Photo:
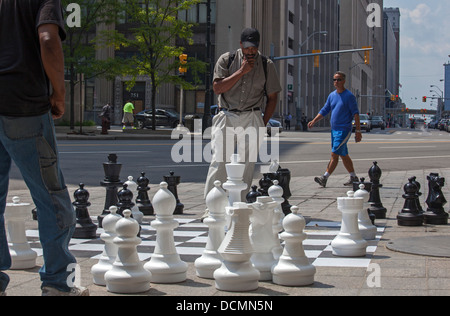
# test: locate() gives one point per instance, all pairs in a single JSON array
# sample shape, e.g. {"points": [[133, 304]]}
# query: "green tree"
{"points": [[79, 51], [154, 29]]}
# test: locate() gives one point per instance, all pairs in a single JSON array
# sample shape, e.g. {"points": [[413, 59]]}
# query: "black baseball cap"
{"points": [[250, 37]]}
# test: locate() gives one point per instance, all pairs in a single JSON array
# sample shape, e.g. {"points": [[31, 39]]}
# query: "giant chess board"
{"points": [[191, 236]]}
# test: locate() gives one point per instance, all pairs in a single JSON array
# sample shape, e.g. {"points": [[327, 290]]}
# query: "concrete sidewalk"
{"points": [[399, 273]]}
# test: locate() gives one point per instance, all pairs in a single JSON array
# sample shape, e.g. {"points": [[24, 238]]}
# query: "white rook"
{"points": [[349, 242]]}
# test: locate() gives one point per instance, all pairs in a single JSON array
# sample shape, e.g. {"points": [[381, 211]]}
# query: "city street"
{"points": [[305, 154]]}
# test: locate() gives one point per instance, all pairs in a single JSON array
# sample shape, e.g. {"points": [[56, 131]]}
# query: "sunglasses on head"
{"points": [[338, 80]]}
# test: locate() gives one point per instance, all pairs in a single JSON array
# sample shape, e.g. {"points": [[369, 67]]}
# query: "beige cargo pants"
{"points": [[243, 131]]}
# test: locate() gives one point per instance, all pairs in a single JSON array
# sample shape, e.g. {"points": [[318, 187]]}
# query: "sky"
{"points": [[424, 48]]}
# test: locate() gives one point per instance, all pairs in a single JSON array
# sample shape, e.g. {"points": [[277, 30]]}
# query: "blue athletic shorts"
{"points": [[339, 140]]}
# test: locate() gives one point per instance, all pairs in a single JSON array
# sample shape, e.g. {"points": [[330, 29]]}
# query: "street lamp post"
{"points": [[299, 88], [440, 102]]}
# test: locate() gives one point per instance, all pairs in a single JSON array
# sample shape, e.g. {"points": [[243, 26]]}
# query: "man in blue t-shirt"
{"points": [[344, 108]]}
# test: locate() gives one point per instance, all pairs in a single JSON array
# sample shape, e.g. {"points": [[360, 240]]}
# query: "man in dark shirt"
{"points": [[31, 58]]}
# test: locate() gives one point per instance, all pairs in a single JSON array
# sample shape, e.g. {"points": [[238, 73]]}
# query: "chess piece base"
{"points": [[167, 269], [367, 232], [378, 212], [85, 231], [409, 219], [287, 273], [126, 284], [349, 245], [237, 277], [207, 264], [22, 257], [435, 219], [264, 262]]}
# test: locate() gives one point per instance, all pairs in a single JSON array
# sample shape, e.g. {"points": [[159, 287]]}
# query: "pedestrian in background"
{"points": [[343, 108], [287, 121], [106, 118], [128, 115], [31, 57]]}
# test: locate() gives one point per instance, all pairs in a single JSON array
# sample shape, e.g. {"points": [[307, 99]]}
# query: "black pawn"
{"points": [[252, 196], [85, 228], [435, 213], [111, 183], [265, 183], [125, 198], [143, 201], [419, 194], [376, 207], [173, 181], [410, 215]]}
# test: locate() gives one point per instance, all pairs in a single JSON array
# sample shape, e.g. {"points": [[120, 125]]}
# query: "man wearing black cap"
{"points": [[246, 83]]}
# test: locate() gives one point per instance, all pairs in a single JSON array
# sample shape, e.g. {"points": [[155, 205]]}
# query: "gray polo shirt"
{"points": [[248, 93]]}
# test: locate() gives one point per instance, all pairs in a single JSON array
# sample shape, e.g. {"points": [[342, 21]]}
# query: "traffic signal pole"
{"points": [[318, 54], [322, 53]]}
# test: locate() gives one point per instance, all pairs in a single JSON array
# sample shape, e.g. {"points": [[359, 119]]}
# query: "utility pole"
{"points": [[208, 92]]}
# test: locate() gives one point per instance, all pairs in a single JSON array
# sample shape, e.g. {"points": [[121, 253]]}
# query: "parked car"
{"points": [[164, 117], [433, 124], [366, 124], [442, 124], [378, 122], [447, 126]]}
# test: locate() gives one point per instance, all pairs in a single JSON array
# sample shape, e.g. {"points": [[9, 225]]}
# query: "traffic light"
{"points": [[424, 99], [397, 98], [183, 62], [392, 97], [316, 58], [367, 55]]}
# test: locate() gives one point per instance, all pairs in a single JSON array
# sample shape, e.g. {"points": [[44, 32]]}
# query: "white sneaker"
{"points": [[75, 291]]}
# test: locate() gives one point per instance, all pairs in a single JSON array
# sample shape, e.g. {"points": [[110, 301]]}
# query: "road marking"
{"points": [[407, 147]]}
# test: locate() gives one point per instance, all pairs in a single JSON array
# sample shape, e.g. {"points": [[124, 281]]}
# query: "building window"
{"points": [[291, 17], [291, 43]]}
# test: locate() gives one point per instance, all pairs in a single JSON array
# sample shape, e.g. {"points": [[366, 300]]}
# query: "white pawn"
{"points": [[262, 237], [293, 268], [109, 254], [349, 242], [237, 274], [22, 256], [276, 193], [367, 229], [127, 275], [216, 201], [165, 264], [132, 186]]}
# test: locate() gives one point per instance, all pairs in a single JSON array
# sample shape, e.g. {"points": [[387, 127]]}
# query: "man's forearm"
{"points": [[225, 85], [52, 57], [270, 107], [357, 122]]}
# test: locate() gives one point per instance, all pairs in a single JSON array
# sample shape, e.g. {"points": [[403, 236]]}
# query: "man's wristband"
{"points": [[358, 131]]}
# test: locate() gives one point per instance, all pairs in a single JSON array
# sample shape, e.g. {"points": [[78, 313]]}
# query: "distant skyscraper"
{"points": [[447, 87]]}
